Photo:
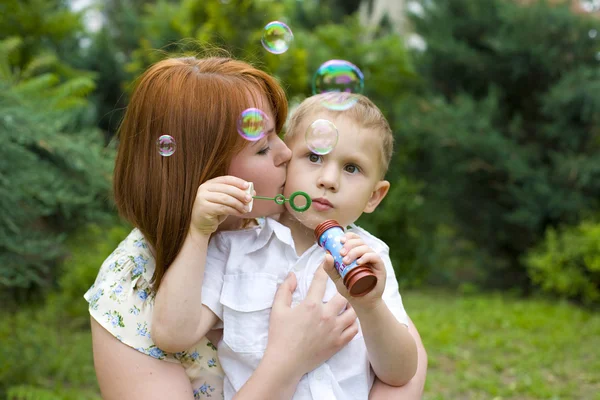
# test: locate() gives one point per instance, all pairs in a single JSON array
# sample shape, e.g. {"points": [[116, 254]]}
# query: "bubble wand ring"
{"points": [[280, 199]]}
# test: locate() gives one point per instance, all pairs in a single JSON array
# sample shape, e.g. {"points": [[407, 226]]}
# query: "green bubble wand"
{"points": [[280, 199]]}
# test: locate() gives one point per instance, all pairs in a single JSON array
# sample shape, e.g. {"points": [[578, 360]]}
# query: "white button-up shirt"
{"points": [[244, 269]]}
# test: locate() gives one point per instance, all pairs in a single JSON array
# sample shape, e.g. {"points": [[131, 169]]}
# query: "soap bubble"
{"points": [[166, 145], [339, 76], [277, 37], [252, 124], [321, 136]]}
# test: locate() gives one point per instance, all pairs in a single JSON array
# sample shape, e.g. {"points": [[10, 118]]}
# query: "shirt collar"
{"points": [[269, 228]]}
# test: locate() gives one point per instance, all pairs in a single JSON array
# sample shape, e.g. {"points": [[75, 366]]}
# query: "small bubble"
{"points": [[166, 145], [321, 136], [277, 37], [252, 124]]}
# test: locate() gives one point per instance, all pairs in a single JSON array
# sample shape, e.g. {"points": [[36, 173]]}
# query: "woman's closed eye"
{"points": [[264, 150]]}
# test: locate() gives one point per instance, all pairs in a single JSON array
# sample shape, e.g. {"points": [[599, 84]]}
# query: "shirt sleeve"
{"points": [[391, 293], [214, 271], [122, 300]]}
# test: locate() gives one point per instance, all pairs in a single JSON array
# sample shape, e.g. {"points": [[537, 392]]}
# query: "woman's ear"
{"points": [[379, 192]]}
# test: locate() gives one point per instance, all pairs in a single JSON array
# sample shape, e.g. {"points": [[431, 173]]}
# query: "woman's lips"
{"points": [[322, 204]]}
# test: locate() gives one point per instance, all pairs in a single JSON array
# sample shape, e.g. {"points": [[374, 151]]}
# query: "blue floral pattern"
{"points": [[122, 300]]}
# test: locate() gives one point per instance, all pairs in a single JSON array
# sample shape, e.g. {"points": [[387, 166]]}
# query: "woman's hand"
{"points": [[216, 199], [311, 332], [300, 339]]}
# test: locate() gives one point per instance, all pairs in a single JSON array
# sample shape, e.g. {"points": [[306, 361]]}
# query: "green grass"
{"points": [[479, 346], [493, 346]]}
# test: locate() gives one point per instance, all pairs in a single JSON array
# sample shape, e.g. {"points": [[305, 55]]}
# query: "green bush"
{"points": [[567, 262], [45, 349], [54, 174], [504, 133]]}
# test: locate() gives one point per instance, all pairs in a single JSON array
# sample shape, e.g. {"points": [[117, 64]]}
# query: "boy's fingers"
{"points": [[283, 296], [355, 253], [353, 242], [373, 259]]}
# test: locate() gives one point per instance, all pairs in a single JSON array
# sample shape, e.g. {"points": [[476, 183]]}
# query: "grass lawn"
{"points": [[480, 347], [492, 346]]}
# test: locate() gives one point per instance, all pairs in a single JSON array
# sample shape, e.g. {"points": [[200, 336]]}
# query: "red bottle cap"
{"points": [[360, 280], [323, 226]]}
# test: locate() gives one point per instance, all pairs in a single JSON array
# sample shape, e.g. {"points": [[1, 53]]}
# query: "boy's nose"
{"points": [[328, 181]]}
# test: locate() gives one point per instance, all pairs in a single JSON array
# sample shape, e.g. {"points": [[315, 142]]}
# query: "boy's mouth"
{"points": [[322, 204]]}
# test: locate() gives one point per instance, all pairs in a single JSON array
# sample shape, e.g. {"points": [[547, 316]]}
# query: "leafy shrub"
{"points": [[54, 175], [46, 349], [567, 262]]}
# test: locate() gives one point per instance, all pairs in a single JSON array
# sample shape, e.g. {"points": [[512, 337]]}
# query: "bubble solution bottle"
{"points": [[358, 279]]}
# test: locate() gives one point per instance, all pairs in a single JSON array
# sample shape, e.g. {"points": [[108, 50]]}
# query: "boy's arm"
{"points": [[413, 390], [391, 348], [177, 321]]}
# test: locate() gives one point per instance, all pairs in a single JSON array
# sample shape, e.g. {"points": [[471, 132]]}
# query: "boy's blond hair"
{"points": [[364, 112]]}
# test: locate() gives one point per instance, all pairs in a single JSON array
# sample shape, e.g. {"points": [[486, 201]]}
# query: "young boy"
{"points": [[245, 267]]}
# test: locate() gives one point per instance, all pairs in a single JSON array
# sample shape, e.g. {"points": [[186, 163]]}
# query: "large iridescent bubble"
{"points": [[252, 124], [339, 76], [277, 37], [321, 136]]}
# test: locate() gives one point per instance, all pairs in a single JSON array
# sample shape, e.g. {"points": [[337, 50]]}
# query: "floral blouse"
{"points": [[121, 300]]}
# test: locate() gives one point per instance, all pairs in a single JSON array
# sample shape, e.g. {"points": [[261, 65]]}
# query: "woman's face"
{"points": [[263, 163]]}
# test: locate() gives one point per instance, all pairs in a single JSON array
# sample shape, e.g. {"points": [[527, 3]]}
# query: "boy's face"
{"points": [[342, 184]]}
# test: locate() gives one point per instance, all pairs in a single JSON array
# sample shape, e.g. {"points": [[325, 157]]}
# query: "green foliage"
{"points": [[88, 248], [45, 351], [53, 175], [567, 262], [505, 131], [36, 393], [49, 32]]}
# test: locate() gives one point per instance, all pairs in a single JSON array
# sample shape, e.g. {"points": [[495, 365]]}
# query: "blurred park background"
{"points": [[494, 213]]}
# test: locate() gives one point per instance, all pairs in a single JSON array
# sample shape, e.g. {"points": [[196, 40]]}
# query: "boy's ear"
{"points": [[379, 192]]}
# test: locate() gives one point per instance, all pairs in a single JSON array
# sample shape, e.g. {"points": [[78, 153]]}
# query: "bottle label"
{"points": [[330, 241]]}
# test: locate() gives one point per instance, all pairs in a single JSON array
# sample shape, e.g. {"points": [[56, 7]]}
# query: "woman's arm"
{"points": [[413, 390], [125, 373], [177, 320]]}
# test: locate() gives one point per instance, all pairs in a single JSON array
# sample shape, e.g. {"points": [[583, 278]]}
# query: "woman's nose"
{"points": [[284, 154]]}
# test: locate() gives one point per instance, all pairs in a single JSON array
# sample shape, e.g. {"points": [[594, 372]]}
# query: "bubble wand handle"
{"points": [[280, 199]]}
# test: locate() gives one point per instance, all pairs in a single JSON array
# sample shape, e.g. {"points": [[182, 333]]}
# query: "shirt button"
{"points": [[318, 375]]}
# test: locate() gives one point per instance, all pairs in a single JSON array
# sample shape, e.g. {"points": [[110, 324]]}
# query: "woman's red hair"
{"points": [[197, 102]]}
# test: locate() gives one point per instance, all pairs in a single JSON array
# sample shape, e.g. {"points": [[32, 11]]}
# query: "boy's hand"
{"points": [[355, 249], [215, 200]]}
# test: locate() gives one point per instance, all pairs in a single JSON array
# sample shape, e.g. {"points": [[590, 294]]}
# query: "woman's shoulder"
{"points": [[128, 268]]}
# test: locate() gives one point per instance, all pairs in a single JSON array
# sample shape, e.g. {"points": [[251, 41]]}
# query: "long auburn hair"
{"points": [[197, 102]]}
